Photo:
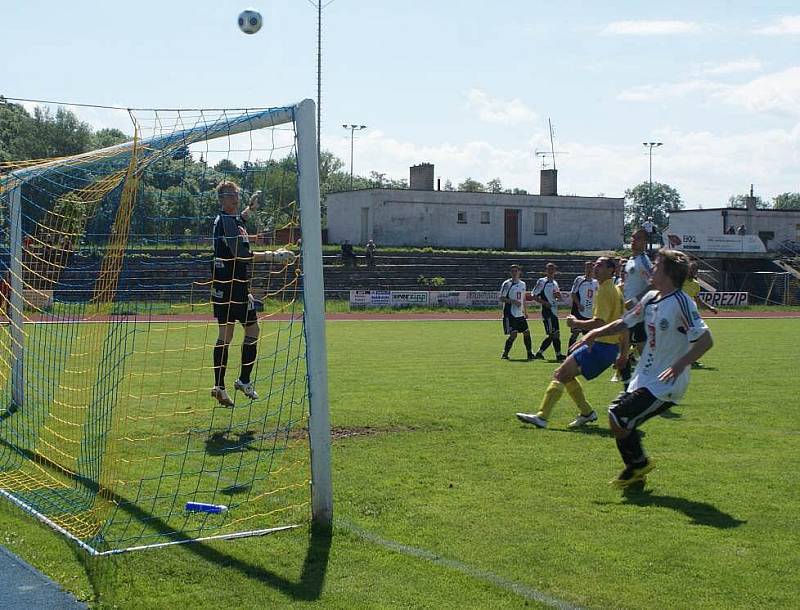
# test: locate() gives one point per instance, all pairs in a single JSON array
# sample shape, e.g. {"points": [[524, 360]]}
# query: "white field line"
{"points": [[477, 573]]}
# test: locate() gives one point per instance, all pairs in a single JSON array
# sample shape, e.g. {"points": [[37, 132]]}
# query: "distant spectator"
{"points": [[348, 256], [731, 230], [370, 250], [741, 230], [649, 228]]}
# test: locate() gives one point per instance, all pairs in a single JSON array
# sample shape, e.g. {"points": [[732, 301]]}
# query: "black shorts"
{"points": [[550, 321], [631, 409], [638, 334], [245, 312], [515, 325]]}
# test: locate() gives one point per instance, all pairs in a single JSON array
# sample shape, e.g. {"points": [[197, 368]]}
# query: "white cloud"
{"points": [[731, 67], [777, 92], [651, 28], [786, 25], [661, 91], [495, 110], [706, 167]]}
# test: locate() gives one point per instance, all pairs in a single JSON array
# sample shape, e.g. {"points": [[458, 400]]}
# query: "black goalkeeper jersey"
{"points": [[232, 258]]}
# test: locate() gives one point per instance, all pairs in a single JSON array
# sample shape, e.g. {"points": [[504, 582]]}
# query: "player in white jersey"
{"points": [[638, 274], [515, 311], [676, 337], [546, 293], [583, 290]]}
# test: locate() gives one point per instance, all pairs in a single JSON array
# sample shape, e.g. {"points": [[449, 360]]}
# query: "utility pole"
{"points": [[353, 129], [650, 146]]}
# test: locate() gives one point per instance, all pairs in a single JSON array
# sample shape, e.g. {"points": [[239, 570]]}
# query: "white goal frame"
{"points": [[303, 115]]}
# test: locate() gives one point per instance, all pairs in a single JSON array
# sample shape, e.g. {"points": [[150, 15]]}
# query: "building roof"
{"points": [[796, 211]]}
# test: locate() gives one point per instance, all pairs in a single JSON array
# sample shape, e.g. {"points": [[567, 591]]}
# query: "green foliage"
{"points": [[434, 282], [740, 201], [471, 186], [787, 201], [642, 202]]}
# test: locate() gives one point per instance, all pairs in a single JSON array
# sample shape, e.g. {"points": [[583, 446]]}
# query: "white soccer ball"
{"points": [[250, 21]]}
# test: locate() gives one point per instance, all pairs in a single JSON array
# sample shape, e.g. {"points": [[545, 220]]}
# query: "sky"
{"points": [[468, 86]]}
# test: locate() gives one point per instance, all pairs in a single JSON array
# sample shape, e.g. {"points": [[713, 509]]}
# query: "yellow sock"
{"points": [[575, 392], [551, 396]]}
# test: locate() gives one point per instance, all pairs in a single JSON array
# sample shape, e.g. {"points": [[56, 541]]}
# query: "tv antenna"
{"points": [[552, 152]]}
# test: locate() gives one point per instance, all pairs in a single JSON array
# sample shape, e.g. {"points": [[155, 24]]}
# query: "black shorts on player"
{"points": [[227, 313], [512, 324], [638, 334], [630, 409]]}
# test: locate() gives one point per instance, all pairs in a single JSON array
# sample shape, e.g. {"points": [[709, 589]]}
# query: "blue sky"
{"points": [[464, 84]]}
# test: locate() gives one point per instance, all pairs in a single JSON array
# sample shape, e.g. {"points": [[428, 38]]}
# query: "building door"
{"points": [[512, 230], [364, 225]]}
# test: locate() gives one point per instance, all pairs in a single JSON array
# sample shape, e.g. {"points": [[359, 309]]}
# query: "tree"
{"points": [[104, 138], [471, 186], [448, 185], [787, 201], [494, 185], [740, 201], [641, 203]]}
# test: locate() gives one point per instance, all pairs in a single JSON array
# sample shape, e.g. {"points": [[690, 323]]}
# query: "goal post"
{"points": [[319, 427], [107, 430]]}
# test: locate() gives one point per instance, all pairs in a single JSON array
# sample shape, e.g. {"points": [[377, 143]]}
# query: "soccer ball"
{"points": [[250, 21]]}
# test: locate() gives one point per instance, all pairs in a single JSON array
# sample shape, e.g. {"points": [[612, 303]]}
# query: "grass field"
{"points": [[443, 499]]}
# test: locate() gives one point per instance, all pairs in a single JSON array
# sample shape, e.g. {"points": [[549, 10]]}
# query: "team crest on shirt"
{"points": [[663, 324]]}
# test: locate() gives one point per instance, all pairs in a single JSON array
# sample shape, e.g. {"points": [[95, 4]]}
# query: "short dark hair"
{"points": [[676, 265], [517, 267]]}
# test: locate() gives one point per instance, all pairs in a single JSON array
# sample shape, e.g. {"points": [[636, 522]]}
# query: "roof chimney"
{"points": [[750, 201], [421, 177], [548, 182]]}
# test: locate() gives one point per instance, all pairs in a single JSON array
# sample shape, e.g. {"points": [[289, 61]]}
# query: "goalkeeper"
{"points": [[230, 289]]}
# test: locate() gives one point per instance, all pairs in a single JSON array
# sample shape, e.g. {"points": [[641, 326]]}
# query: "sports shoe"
{"points": [[615, 378], [504, 356], [697, 364], [538, 356], [632, 475], [531, 356], [248, 389], [560, 357], [583, 419], [221, 395], [539, 422]]}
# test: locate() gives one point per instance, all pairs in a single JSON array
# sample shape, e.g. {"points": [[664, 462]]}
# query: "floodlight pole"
{"points": [[650, 146], [319, 428], [353, 129]]}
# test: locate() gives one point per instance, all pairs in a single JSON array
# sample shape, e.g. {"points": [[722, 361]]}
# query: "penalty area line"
{"points": [[472, 571]]}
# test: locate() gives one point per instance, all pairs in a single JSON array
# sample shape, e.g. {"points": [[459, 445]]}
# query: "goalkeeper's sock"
{"points": [[551, 396], [545, 344], [249, 351], [575, 391], [509, 343], [220, 362], [528, 344], [557, 345]]}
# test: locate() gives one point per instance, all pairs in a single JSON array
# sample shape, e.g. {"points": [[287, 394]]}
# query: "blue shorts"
{"points": [[594, 362]]}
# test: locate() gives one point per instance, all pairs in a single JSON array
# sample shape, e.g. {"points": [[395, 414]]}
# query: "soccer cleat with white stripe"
{"points": [[222, 396], [582, 420], [528, 418], [248, 389]]}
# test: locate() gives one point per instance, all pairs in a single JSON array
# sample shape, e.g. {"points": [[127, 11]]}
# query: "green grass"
{"points": [[447, 469]]}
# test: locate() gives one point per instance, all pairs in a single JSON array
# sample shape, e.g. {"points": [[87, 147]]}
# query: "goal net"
{"points": [[109, 343]]}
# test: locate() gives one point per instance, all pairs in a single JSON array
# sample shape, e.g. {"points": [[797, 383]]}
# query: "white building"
{"points": [[773, 226], [425, 217]]}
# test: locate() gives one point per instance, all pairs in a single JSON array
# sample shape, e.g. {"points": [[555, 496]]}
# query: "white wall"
{"points": [[429, 218], [783, 223]]}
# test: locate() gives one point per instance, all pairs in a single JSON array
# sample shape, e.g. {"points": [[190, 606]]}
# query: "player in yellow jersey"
{"points": [[584, 361]]}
